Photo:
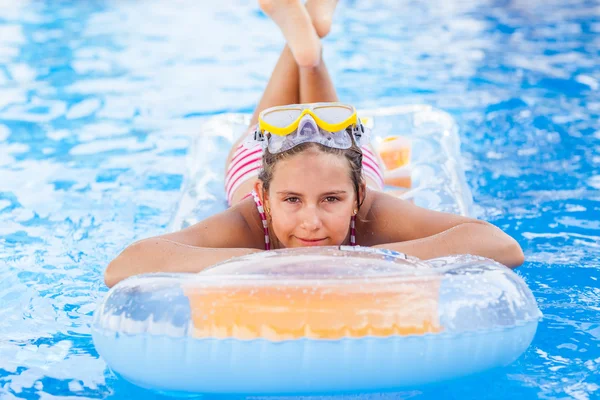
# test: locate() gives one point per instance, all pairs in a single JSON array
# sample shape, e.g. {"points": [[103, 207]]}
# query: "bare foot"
{"points": [[321, 13], [296, 25]]}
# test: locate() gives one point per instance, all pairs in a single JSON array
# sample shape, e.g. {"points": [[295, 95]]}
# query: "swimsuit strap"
{"points": [[263, 217], [353, 230]]}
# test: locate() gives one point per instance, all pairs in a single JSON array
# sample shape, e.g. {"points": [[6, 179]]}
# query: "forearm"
{"points": [[480, 239], [163, 255]]}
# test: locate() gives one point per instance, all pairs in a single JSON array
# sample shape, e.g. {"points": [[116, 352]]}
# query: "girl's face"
{"points": [[311, 200]]}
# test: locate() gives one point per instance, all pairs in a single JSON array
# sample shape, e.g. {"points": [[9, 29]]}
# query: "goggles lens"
{"points": [[283, 117], [333, 114]]}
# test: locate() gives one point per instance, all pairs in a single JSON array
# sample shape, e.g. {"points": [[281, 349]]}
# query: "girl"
{"points": [[308, 180]]}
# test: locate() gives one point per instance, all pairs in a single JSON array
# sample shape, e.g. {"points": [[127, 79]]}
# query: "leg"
{"points": [[281, 89], [283, 85], [295, 23], [316, 85], [294, 20], [321, 14]]}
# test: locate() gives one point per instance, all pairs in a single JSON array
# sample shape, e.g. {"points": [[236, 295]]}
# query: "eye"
{"points": [[292, 200], [331, 199]]}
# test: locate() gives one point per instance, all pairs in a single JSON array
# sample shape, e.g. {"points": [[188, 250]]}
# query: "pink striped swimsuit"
{"points": [[246, 164]]}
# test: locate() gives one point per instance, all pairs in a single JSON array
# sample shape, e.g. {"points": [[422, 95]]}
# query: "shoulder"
{"points": [[375, 216], [389, 219], [237, 227]]}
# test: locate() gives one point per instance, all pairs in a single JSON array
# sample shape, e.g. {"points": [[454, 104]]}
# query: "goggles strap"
{"points": [[357, 132]]}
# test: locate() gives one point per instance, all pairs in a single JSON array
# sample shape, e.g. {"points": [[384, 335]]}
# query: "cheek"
{"points": [[338, 222], [344, 226], [282, 223]]}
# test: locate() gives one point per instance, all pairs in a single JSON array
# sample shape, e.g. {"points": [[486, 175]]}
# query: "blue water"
{"points": [[99, 100]]}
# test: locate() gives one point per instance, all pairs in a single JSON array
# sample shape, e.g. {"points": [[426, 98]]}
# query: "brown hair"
{"points": [[353, 155]]}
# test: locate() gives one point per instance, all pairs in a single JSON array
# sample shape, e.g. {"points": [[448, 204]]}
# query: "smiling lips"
{"points": [[311, 242]]}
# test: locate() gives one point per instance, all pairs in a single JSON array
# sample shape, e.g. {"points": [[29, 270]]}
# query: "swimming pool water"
{"points": [[99, 100]]}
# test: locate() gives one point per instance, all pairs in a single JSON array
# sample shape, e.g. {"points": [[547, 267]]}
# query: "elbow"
{"points": [[124, 265], [519, 257], [513, 254], [506, 250], [115, 271], [111, 274]]}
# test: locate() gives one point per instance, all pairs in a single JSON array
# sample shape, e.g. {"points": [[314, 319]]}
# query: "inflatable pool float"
{"points": [[324, 320], [308, 321]]}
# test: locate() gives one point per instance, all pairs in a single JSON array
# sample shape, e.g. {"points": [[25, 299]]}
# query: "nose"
{"points": [[311, 221]]}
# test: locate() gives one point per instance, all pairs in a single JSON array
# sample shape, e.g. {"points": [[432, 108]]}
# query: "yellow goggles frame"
{"points": [[307, 109]]}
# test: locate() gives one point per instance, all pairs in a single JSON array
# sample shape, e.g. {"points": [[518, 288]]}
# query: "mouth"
{"points": [[311, 242]]}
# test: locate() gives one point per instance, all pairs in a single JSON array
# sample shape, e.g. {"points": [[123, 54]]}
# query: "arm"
{"points": [[163, 255], [477, 238], [193, 249], [429, 234]]}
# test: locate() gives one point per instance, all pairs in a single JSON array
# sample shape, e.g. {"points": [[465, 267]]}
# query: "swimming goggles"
{"points": [[330, 124]]}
